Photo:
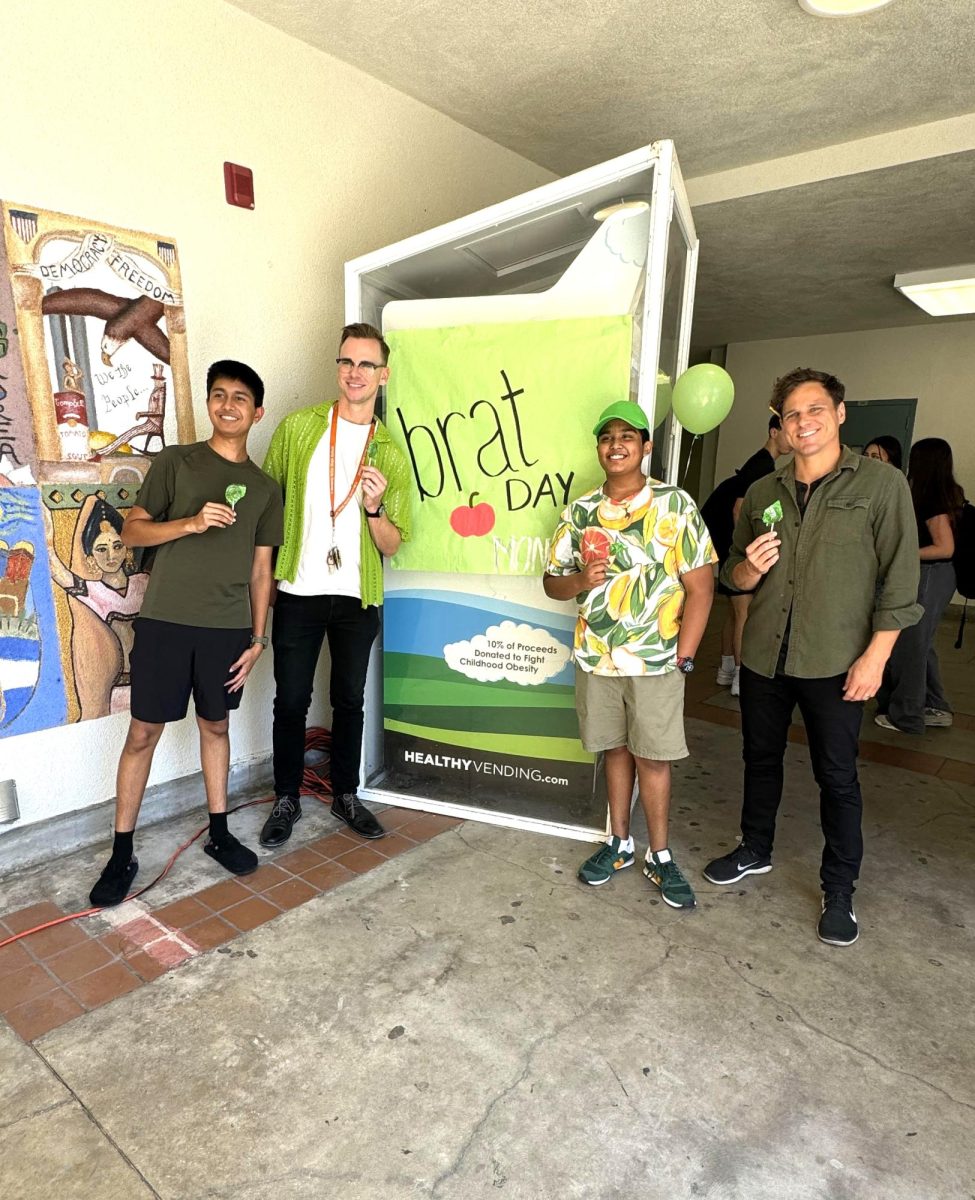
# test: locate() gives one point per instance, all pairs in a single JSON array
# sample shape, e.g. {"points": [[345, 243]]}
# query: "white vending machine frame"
{"points": [[389, 274]]}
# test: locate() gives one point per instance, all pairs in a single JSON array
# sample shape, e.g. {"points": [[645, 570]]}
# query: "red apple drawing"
{"points": [[473, 521]]}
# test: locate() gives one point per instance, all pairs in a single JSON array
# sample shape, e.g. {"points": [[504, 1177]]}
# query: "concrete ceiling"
{"points": [[569, 83], [820, 258]]}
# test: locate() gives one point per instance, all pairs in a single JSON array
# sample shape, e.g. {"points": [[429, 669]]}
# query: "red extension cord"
{"points": [[312, 784]]}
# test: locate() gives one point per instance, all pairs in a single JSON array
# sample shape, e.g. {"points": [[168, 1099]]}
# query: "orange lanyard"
{"points": [[331, 466]]}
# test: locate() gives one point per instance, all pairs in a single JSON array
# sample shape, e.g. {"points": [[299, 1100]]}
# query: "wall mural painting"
{"points": [[94, 381], [32, 690]]}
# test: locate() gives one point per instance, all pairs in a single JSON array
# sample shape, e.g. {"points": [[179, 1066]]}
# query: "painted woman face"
{"points": [[108, 552], [878, 452]]}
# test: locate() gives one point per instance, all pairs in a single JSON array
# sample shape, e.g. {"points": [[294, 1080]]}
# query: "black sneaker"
{"points": [[729, 868], [838, 924], [278, 826], [113, 884], [350, 809], [232, 855]]}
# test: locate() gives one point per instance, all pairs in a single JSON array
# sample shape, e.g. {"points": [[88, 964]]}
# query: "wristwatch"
{"points": [[685, 665], [259, 641], [378, 513]]}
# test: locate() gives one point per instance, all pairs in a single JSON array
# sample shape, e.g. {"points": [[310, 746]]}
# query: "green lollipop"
{"points": [[235, 492], [373, 453], [772, 514]]}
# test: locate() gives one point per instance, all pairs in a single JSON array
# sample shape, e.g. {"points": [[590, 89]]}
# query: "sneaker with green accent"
{"points": [[661, 869], [603, 865]]}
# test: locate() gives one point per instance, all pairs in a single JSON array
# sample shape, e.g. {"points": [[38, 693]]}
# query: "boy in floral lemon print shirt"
{"points": [[637, 557]]}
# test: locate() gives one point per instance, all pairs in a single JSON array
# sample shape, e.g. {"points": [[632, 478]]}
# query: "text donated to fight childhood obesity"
{"points": [[517, 653]]}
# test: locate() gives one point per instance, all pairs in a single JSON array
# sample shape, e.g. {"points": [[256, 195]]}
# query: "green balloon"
{"points": [[703, 397], [665, 397]]}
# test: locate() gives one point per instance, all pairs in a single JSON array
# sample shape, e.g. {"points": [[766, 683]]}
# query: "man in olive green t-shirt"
{"points": [[213, 519]]}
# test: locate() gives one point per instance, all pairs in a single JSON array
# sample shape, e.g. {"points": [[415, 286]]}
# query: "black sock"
{"points": [[122, 848], [218, 826]]}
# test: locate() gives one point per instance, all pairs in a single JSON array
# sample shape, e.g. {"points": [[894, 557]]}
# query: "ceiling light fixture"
{"points": [[949, 292], [840, 8]]}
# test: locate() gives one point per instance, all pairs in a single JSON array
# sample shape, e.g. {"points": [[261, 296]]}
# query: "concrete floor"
{"points": [[469, 1020]]}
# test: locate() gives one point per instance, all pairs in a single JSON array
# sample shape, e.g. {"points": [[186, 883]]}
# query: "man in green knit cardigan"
{"points": [[346, 506]]}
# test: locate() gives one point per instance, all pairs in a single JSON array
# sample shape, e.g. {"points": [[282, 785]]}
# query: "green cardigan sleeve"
{"points": [[398, 492]]}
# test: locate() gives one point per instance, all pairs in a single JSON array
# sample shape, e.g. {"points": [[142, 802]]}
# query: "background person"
{"points": [[886, 449], [912, 695], [720, 512]]}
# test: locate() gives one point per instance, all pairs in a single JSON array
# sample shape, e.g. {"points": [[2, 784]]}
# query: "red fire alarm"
{"points": [[239, 184]]}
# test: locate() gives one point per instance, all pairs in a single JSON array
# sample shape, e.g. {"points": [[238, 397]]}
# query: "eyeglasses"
{"points": [[367, 368]]}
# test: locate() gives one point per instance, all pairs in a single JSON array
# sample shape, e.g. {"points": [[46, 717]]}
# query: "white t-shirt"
{"points": [[313, 578]]}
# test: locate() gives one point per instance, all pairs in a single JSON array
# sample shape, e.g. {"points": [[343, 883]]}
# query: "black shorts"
{"points": [[170, 662], [722, 589]]}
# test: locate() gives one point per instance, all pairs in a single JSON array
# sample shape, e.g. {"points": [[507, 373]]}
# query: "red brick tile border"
{"points": [[212, 932], [391, 845], [57, 974], [54, 941], [12, 958], [269, 875], [957, 772], [222, 895], [147, 967], [335, 844], [80, 960], [328, 875], [361, 859], [25, 985], [292, 893], [182, 912], [296, 861], [251, 913], [104, 984], [37, 1017], [27, 918]]}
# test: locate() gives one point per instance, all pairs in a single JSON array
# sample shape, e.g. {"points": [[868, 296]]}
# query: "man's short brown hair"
{"points": [[361, 330], [784, 387]]}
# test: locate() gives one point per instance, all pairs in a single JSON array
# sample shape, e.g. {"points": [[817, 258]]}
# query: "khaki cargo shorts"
{"points": [[645, 713]]}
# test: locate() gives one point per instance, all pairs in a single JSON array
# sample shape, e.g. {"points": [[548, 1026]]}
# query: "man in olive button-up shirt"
{"points": [[835, 579], [822, 605]]}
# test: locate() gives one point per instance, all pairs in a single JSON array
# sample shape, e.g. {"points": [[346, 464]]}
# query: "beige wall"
{"points": [[126, 112], [934, 363]]}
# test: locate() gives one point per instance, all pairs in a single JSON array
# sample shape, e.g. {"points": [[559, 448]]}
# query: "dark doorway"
{"points": [[867, 419]]}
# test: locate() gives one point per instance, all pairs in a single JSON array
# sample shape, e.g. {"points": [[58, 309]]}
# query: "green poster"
{"points": [[495, 421]]}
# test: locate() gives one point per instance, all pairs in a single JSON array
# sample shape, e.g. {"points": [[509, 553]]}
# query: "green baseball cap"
{"points": [[622, 410]]}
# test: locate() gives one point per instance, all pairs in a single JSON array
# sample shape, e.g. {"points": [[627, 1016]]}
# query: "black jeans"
{"points": [[301, 623], [833, 731]]}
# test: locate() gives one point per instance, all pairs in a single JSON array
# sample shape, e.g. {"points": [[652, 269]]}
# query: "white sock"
{"points": [[625, 843], [727, 662], [663, 856]]}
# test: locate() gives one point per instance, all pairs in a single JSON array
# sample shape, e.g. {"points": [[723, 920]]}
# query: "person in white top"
{"points": [[346, 499]]}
